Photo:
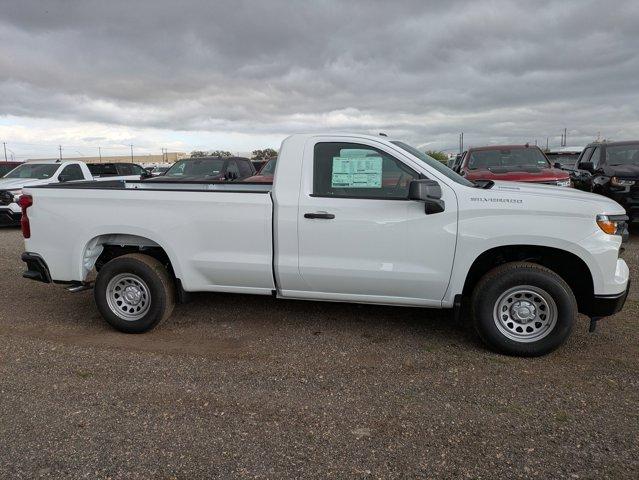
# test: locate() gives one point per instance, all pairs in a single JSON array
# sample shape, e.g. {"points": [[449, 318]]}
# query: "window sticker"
{"points": [[357, 172]]}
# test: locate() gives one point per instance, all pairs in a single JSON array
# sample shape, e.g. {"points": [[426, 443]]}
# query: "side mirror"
{"points": [[231, 175], [556, 165], [587, 166], [427, 191], [146, 174], [63, 178]]}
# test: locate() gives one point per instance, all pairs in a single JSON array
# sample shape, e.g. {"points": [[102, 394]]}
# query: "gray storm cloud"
{"points": [[499, 71]]}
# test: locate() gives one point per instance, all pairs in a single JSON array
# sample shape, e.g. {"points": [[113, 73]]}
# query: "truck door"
{"points": [[360, 238]]}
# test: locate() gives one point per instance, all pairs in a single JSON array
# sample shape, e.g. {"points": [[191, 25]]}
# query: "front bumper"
{"points": [[37, 268], [629, 201], [605, 305]]}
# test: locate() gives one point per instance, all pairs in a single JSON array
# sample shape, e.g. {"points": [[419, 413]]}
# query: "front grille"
{"points": [[6, 197]]}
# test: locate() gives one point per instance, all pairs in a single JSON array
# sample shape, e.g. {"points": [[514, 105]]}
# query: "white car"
{"points": [[348, 218], [38, 173]]}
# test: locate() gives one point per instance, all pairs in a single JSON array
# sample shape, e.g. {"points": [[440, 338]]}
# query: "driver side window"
{"points": [[596, 158], [351, 170]]}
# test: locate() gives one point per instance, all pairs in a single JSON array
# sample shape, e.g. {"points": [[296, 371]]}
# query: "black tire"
{"points": [[492, 292], [156, 290]]}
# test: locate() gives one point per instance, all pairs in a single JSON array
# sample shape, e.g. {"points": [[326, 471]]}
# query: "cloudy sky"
{"points": [[239, 75]]}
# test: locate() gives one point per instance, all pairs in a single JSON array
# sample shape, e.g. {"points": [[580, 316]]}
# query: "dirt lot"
{"points": [[242, 387]]}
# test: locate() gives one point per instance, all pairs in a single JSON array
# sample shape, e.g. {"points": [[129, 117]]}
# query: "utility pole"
{"points": [[100, 153], [60, 149], [565, 136], [131, 152], [547, 149], [5, 150]]}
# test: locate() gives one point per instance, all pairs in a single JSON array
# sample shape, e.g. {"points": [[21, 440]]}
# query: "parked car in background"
{"points": [[611, 169], [515, 163], [564, 157], [208, 168], [258, 164], [158, 170], [265, 175], [128, 171], [454, 162], [35, 173], [46, 173], [340, 223], [6, 167]]}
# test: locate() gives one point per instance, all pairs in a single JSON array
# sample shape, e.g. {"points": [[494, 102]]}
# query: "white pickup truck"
{"points": [[43, 172], [348, 218]]}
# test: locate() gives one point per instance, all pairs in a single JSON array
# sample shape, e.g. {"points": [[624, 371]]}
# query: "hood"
{"points": [[624, 171], [515, 174], [17, 183], [577, 198]]}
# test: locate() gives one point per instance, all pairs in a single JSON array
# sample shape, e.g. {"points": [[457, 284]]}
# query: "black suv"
{"points": [[611, 169]]}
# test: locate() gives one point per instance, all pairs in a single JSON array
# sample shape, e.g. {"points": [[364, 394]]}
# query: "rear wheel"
{"points": [[134, 293], [523, 309]]}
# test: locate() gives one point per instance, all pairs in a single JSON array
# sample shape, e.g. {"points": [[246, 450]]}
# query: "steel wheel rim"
{"points": [[525, 313], [128, 297]]}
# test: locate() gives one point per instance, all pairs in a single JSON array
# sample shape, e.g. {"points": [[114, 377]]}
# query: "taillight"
{"points": [[25, 201]]}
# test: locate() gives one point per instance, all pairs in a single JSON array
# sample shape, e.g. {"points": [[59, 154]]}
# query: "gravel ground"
{"points": [[239, 387]]}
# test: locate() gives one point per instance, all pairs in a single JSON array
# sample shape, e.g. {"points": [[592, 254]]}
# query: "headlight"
{"points": [[564, 183], [16, 194], [612, 224], [620, 182]]}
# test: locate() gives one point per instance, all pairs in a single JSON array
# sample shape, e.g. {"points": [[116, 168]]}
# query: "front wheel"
{"points": [[134, 293], [523, 309]]}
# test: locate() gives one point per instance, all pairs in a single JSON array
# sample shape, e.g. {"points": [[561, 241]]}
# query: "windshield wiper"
{"points": [[484, 184]]}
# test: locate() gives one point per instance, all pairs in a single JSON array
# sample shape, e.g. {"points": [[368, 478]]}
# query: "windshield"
{"points": [[431, 162], [623, 155], [563, 158], [507, 157], [38, 171], [203, 167], [269, 168]]}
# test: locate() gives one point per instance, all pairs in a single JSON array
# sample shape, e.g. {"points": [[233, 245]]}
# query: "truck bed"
{"points": [[217, 235]]}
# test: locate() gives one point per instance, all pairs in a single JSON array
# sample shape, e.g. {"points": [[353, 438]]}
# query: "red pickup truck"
{"points": [[517, 163]]}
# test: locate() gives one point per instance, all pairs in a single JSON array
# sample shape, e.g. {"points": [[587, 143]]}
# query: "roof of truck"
{"points": [[501, 147], [614, 144]]}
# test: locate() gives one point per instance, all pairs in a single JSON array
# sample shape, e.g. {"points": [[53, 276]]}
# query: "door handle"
{"points": [[322, 215]]}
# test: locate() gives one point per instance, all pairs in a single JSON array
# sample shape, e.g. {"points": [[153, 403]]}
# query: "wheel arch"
{"points": [[104, 247], [570, 267]]}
